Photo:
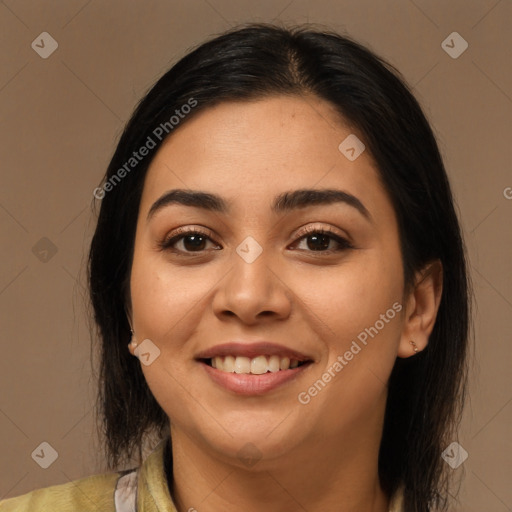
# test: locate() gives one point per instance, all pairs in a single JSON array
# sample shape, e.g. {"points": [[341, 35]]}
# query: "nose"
{"points": [[252, 292]]}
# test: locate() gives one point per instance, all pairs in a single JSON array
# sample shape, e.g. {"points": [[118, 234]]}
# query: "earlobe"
{"points": [[133, 343], [421, 309]]}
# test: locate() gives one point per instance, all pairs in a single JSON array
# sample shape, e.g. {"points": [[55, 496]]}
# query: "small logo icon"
{"points": [[454, 45], [249, 250], [45, 455], [454, 455], [249, 454], [44, 45], [44, 250], [147, 352], [351, 147]]}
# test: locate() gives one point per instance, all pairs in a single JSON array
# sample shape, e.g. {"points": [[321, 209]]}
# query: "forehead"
{"points": [[249, 150]]}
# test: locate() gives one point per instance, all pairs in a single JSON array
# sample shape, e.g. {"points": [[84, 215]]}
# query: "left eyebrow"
{"points": [[285, 202], [310, 197]]}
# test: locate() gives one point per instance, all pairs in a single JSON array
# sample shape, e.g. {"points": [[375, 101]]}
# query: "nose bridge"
{"points": [[252, 286]]}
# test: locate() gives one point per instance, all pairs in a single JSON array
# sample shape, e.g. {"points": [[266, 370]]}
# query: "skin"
{"points": [[319, 456]]}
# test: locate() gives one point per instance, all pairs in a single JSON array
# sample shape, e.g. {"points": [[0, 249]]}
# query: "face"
{"points": [[301, 290]]}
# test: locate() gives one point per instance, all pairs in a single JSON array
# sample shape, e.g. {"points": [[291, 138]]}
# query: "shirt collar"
{"points": [[152, 489]]}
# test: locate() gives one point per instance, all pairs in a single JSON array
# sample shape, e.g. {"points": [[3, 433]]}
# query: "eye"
{"points": [[313, 239], [321, 240], [187, 240]]}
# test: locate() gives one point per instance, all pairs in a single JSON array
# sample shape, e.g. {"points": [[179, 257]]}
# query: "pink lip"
{"points": [[251, 350], [248, 384]]}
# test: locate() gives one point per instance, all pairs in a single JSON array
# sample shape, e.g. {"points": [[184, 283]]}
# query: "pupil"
{"points": [[193, 242], [321, 241]]}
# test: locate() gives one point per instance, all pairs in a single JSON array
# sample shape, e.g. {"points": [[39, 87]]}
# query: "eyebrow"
{"points": [[285, 202]]}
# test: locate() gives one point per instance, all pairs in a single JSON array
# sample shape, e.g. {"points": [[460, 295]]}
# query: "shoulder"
{"points": [[103, 492], [91, 493]]}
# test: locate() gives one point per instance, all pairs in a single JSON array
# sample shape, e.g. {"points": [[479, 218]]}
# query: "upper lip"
{"points": [[252, 350]]}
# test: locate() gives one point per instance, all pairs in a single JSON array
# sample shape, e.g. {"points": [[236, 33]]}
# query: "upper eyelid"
{"points": [[206, 231], [304, 230]]}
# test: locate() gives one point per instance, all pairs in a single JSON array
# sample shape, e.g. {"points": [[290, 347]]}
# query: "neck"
{"points": [[325, 476]]}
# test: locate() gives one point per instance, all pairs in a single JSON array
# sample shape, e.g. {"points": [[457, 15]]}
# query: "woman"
{"points": [[278, 242]]}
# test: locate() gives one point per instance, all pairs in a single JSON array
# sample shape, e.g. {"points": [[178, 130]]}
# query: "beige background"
{"points": [[61, 118]]}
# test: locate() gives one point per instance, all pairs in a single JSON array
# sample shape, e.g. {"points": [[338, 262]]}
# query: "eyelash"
{"points": [[167, 243]]}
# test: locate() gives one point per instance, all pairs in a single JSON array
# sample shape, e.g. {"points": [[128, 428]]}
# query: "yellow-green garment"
{"points": [[97, 493]]}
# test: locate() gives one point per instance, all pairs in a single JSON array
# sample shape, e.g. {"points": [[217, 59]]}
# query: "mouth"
{"points": [[252, 369], [254, 358], [255, 366]]}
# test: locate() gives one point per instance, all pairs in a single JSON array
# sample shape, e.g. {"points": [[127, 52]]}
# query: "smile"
{"points": [[253, 368], [256, 366]]}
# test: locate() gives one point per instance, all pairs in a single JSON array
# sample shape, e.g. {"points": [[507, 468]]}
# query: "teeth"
{"points": [[228, 365], [259, 365], [274, 363], [256, 366], [242, 365]]}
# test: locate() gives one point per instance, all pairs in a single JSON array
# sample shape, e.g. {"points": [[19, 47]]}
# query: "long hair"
{"points": [[426, 392]]}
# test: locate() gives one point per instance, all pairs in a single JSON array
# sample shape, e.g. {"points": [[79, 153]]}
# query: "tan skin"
{"points": [[317, 457]]}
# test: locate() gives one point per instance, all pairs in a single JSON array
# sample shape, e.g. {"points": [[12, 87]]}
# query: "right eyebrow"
{"points": [[192, 198]]}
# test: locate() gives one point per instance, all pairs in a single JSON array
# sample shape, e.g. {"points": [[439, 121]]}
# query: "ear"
{"points": [[131, 348], [421, 309]]}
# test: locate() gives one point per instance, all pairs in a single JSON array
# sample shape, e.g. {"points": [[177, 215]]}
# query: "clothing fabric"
{"points": [[143, 489]]}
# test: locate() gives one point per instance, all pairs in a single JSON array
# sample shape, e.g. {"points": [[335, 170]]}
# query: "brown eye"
{"points": [[186, 242], [322, 240], [194, 242], [318, 242]]}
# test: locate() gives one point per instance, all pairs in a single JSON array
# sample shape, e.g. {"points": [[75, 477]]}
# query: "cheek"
{"points": [[163, 294], [166, 303], [359, 306], [351, 297], [358, 310]]}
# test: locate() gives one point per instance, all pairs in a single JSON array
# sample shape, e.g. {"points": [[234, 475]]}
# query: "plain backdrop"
{"points": [[62, 116]]}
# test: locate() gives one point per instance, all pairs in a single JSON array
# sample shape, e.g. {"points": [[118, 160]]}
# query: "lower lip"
{"points": [[249, 384]]}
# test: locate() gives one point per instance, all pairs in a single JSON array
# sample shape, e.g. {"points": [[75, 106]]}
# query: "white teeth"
{"points": [[273, 364], [228, 364], [259, 365], [285, 363], [256, 366], [242, 365]]}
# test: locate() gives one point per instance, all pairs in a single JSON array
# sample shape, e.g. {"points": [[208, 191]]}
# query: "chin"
{"points": [[255, 447]]}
